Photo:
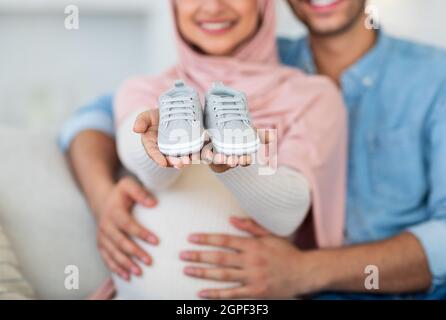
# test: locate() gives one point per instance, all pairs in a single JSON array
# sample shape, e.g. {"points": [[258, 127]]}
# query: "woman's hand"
{"points": [[147, 124], [220, 163], [116, 227]]}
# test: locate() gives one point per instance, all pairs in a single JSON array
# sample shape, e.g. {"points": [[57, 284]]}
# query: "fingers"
{"points": [[232, 161], [219, 258], [245, 160], [119, 257], [220, 159], [232, 293], [113, 266], [132, 228], [206, 155], [122, 243], [175, 162], [221, 240], [250, 226], [145, 120], [183, 161], [147, 125], [186, 160], [130, 248], [137, 192], [195, 158], [142, 123], [150, 143], [219, 274]]}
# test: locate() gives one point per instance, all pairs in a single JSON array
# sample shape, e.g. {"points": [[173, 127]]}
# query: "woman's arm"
{"points": [[278, 202], [134, 157]]}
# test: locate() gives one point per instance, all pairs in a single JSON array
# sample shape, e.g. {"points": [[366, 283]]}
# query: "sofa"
{"points": [[45, 216]]}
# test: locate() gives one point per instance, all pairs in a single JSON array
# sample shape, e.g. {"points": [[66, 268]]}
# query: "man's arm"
{"points": [[401, 263], [88, 139], [413, 261], [93, 158], [271, 267]]}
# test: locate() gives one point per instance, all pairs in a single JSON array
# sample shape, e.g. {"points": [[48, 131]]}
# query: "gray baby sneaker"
{"points": [[180, 129], [228, 123]]}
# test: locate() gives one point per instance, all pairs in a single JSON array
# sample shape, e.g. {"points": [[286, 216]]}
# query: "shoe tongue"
{"points": [[234, 124], [180, 124]]}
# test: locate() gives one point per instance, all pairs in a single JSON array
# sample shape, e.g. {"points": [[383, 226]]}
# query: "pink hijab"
{"points": [[307, 111]]}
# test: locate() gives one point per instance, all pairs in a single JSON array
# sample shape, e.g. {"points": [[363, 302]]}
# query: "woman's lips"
{"points": [[216, 27], [323, 5]]}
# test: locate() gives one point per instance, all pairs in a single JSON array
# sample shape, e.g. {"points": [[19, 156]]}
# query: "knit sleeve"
{"points": [[278, 202], [134, 157]]}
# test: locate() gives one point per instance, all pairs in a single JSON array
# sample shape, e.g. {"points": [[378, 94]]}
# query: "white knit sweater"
{"points": [[197, 200]]}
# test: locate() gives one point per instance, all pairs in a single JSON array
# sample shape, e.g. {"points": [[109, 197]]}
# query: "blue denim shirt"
{"points": [[97, 115], [396, 99]]}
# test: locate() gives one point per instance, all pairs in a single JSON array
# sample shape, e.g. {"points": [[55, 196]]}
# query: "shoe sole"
{"points": [[236, 149], [183, 149]]}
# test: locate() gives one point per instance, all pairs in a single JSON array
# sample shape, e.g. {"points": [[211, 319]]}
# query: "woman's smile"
{"points": [[216, 26]]}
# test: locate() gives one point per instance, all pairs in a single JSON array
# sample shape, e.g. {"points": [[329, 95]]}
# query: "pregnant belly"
{"points": [[181, 211]]}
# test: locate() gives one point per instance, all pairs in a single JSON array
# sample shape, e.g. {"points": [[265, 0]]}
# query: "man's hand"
{"points": [[94, 161], [116, 226], [271, 267], [265, 265]]}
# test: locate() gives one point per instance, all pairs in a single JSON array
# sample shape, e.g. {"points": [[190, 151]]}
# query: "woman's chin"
{"points": [[217, 50]]}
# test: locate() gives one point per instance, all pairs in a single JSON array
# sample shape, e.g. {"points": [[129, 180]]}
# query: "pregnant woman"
{"points": [[233, 42]]}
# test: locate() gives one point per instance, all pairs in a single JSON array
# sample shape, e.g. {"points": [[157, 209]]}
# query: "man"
{"points": [[395, 92]]}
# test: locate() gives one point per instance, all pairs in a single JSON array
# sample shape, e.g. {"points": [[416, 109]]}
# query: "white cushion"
{"points": [[45, 216]]}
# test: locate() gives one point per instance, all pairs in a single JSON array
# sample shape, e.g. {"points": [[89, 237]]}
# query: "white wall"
{"points": [[47, 71]]}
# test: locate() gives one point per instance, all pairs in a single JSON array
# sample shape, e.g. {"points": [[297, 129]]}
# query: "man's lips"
{"points": [[323, 5]]}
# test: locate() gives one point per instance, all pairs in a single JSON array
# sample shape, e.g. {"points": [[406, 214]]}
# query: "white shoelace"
{"points": [[177, 109], [229, 109]]}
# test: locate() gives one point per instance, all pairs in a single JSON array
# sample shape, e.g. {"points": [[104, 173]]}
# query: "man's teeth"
{"points": [[214, 26], [322, 3]]}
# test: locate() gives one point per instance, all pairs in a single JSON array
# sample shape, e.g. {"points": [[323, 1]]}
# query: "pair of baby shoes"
{"points": [[183, 123]]}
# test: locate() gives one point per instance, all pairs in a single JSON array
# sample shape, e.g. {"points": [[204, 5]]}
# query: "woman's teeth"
{"points": [[322, 3], [215, 26]]}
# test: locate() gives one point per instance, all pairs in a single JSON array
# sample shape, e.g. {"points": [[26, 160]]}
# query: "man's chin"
{"points": [[335, 29], [324, 32]]}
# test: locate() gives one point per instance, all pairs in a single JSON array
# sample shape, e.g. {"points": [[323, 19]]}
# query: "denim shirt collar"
{"points": [[364, 72]]}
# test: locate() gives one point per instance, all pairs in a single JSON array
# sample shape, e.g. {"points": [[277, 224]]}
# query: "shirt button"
{"points": [[367, 81]]}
